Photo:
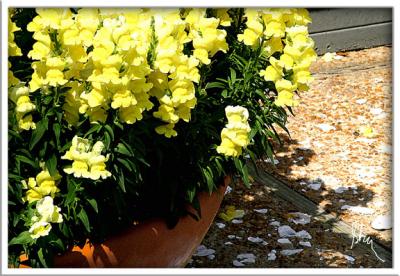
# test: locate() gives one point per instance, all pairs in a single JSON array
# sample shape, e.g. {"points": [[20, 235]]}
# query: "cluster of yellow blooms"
{"points": [[42, 186], [284, 31], [42, 190], [88, 162], [47, 213], [17, 92], [174, 72], [102, 57], [235, 135]]}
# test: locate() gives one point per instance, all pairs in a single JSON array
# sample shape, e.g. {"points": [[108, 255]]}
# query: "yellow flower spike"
{"points": [[235, 135]]}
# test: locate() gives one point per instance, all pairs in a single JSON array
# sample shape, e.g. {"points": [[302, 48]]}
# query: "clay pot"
{"points": [[151, 243]]}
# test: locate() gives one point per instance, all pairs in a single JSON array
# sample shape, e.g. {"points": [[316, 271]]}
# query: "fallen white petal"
{"points": [[261, 211], [326, 127], [237, 221], [361, 101], [228, 243], [358, 209], [231, 236], [349, 258], [385, 148], [228, 190], [376, 111], [220, 225]]}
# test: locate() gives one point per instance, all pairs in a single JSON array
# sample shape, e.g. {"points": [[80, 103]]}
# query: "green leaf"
{"points": [[84, 218], [22, 238], [94, 128], [191, 193], [51, 164], [41, 257], [28, 161], [224, 93], [71, 192], [57, 132], [123, 149], [38, 133], [215, 85], [121, 181], [110, 131], [93, 203], [107, 140], [233, 75]]}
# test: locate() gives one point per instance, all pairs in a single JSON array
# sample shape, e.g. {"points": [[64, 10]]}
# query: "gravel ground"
{"points": [[330, 161]]}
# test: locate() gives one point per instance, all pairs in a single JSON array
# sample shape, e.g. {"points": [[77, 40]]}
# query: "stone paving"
{"points": [[339, 156]]}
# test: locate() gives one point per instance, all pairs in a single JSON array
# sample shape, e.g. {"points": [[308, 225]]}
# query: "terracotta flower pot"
{"points": [[149, 244]]}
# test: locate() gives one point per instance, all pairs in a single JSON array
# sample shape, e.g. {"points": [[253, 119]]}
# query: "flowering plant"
{"points": [[118, 115]]}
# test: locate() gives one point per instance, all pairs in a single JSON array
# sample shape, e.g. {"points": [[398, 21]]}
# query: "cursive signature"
{"points": [[359, 236]]}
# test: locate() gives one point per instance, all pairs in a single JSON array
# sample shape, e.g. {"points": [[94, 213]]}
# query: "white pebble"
{"points": [[303, 234], [382, 222], [255, 239], [220, 225], [231, 236], [228, 243], [300, 218], [289, 252], [305, 243], [286, 231], [237, 221], [237, 263], [271, 256], [275, 223]]}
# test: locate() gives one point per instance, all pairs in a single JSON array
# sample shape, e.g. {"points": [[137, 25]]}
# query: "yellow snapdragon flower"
{"points": [[20, 96], [47, 213], [235, 135], [43, 185], [88, 162]]}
